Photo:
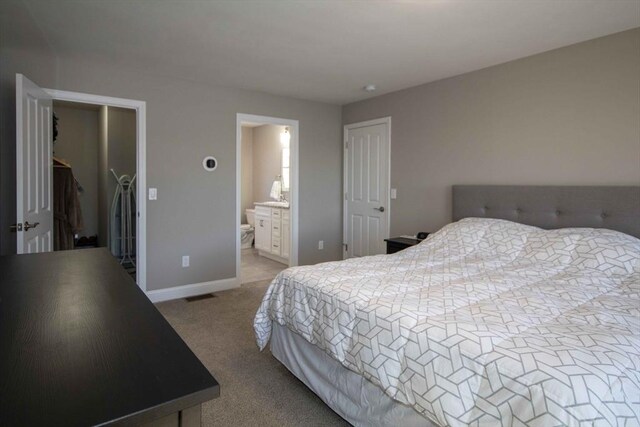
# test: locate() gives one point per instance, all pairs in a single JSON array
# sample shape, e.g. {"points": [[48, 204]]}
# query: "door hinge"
{"points": [[346, 247], [15, 227], [346, 145]]}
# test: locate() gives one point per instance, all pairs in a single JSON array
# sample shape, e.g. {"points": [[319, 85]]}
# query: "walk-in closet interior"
{"points": [[94, 179]]}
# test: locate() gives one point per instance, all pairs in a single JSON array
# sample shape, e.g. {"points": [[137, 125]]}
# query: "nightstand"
{"points": [[396, 244]]}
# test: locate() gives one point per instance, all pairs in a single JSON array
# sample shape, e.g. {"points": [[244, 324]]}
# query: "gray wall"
{"points": [[195, 211], [22, 50], [103, 179], [77, 143], [246, 189], [122, 140], [118, 146], [95, 140], [267, 160], [568, 116]]}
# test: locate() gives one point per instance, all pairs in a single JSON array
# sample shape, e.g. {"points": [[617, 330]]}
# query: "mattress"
{"points": [[487, 321]]}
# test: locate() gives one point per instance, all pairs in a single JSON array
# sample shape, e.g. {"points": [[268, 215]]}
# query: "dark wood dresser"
{"points": [[81, 344]]}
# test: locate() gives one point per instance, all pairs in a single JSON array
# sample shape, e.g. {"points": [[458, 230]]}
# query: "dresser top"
{"points": [[81, 344]]}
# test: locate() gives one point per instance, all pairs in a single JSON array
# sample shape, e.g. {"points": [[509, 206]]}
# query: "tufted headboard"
{"points": [[615, 208]]}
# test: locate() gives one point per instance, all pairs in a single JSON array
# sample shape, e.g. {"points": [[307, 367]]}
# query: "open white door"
{"points": [[366, 177], [34, 140]]}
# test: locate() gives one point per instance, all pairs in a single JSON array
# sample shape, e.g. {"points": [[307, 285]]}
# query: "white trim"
{"points": [[293, 185], [345, 170], [184, 291], [141, 148]]}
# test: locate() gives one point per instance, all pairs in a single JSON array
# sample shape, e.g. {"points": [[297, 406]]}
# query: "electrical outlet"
{"points": [[153, 194], [185, 260], [394, 193], [320, 244]]}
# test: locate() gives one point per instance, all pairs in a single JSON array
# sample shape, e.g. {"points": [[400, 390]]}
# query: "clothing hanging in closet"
{"points": [[67, 215]]}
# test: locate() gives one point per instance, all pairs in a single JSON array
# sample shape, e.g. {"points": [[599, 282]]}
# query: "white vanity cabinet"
{"points": [[263, 228], [286, 233], [276, 232], [273, 233]]}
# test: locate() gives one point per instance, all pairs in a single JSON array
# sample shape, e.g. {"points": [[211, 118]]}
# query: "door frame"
{"points": [[293, 184], [345, 173], [140, 108]]}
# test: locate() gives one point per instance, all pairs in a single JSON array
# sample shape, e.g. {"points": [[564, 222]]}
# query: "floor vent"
{"points": [[200, 297]]}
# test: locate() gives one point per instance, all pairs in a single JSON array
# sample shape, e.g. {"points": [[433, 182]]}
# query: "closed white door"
{"points": [[366, 188], [34, 189]]}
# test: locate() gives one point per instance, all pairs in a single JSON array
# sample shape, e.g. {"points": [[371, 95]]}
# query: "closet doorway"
{"points": [[120, 178], [83, 156]]}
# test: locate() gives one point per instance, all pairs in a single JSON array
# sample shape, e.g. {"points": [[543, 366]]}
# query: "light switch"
{"points": [[153, 194], [394, 194]]}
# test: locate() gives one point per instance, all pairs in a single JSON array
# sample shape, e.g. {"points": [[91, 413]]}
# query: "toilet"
{"points": [[247, 230]]}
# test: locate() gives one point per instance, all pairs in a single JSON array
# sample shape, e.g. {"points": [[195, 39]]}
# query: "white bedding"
{"points": [[486, 322]]}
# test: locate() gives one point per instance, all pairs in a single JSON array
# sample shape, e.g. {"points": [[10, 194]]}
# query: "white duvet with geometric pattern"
{"points": [[487, 322]]}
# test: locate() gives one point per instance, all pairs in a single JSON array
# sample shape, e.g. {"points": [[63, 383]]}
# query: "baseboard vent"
{"points": [[200, 297]]}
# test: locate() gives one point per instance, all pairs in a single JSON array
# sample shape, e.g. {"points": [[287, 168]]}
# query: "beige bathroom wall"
{"points": [[267, 160]]}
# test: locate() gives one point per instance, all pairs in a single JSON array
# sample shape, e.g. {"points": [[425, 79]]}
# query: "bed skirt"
{"points": [[350, 395]]}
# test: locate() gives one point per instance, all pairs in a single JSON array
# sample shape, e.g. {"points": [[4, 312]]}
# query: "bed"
{"points": [[524, 311]]}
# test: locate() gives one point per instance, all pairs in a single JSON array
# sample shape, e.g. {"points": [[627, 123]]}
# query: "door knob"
{"points": [[27, 226], [381, 209]]}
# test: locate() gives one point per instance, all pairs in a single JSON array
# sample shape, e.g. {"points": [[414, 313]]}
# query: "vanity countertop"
{"points": [[274, 204]]}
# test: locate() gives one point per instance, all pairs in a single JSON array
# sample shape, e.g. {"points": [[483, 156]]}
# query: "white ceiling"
{"points": [[323, 50]]}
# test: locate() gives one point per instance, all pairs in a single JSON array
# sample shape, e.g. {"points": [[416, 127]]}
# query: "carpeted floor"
{"points": [[255, 388]]}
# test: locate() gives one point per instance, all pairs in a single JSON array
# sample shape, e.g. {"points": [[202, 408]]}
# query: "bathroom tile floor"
{"points": [[255, 267]]}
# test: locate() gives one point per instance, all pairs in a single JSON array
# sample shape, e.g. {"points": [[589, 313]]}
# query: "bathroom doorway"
{"points": [[266, 208]]}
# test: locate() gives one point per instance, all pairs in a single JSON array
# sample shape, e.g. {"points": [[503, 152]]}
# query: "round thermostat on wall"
{"points": [[209, 163]]}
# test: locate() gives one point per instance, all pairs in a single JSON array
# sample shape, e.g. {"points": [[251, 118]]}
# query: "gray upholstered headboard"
{"points": [[615, 208]]}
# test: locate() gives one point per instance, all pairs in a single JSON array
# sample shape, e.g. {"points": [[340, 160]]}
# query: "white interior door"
{"points": [[366, 188], [34, 139]]}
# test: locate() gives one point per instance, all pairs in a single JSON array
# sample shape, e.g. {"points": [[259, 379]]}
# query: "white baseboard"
{"points": [[193, 289]]}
